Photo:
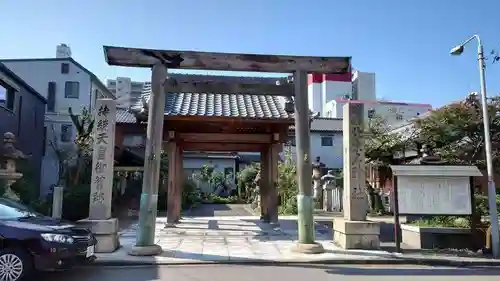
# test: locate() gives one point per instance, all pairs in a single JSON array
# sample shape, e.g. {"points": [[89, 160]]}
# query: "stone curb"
{"points": [[388, 261]]}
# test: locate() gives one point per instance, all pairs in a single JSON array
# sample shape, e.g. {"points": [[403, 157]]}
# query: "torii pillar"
{"points": [[145, 244]]}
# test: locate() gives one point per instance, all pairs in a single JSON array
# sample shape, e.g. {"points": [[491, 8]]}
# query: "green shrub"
{"points": [[482, 204], [190, 195], [287, 185], [246, 180], [214, 199]]}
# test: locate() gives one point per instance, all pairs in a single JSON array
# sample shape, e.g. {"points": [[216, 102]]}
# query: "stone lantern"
{"points": [[332, 195], [316, 178], [8, 172]]}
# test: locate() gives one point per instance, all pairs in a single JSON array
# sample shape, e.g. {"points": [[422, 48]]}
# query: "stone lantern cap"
{"points": [[329, 180], [8, 150]]}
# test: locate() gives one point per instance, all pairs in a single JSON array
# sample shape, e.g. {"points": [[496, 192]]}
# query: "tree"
{"points": [[381, 145], [456, 131], [84, 125]]}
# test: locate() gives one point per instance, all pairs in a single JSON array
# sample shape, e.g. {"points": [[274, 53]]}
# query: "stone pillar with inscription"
{"points": [[104, 227], [353, 231]]}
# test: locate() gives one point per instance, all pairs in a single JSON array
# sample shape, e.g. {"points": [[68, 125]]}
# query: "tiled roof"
{"points": [[209, 104], [324, 124], [125, 116], [230, 105]]}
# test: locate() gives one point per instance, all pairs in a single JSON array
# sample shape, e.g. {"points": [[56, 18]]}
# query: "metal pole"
{"points": [[492, 204], [304, 168], [152, 162]]}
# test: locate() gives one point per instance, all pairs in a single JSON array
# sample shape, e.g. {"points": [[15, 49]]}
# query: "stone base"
{"points": [[106, 233], [415, 237], [356, 234], [151, 250], [315, 248]]}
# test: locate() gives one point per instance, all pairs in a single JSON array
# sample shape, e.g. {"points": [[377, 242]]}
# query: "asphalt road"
{"points": [[274, 272]]}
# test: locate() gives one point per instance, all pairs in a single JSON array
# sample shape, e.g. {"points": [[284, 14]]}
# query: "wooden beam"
{"points": [[225, 147], [226, 138], [230, 88], [139, 57]]}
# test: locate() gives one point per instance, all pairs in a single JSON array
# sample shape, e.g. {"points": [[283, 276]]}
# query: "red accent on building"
{"points": [[320, 78]]}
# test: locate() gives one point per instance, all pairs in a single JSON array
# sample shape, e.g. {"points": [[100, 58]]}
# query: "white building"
{"points": [[327, 94], [392, 112], [324, 88], [363, 86], [326, 142], [64, 83], [127, 92]]}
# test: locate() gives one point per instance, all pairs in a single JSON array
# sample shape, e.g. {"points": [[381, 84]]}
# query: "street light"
{"points": [[492, 204]]}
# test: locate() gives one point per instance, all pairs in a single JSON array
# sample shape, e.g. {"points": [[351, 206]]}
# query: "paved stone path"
{"points": [[247, 239], [231, 238], [210, 210]]}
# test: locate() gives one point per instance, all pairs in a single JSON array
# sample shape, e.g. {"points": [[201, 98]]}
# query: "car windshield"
{"points": [[10, 209]]}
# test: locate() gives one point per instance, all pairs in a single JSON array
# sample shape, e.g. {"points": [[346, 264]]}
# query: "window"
{"points": [[51, 97], [66, 132], [7, 96], [64, 68], [72, 90], [326, 141]]}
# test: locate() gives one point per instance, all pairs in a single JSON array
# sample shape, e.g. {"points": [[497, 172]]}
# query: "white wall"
{"points": [[331, 156], [314, 97], [325, 87], [393, 112], [363, 85], [38, 73], [332, 90]]}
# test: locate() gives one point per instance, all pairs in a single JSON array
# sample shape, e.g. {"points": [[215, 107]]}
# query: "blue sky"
{"points": [[405, 42]]}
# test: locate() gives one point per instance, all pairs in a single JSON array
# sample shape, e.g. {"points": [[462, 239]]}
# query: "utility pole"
{"points": [[145, 244], [305, 201], [492, 202]]}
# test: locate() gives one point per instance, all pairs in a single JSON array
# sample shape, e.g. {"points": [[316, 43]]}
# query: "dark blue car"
{"points": [[31, 241]]}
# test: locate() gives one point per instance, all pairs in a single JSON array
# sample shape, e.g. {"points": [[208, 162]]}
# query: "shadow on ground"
{"points": [[129, 273], [386, 270]]}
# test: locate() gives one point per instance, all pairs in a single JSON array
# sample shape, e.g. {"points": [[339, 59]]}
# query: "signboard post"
{"points": [[431, 190]]}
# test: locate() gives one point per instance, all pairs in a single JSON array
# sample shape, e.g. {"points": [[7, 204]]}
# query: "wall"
{"points": [[27, 125], [326, 87], [127, 91], [331, 156], [192, 163], [363, 86], [393, 112], [38, 73]]}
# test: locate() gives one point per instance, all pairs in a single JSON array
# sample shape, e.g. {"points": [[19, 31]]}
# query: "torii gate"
{"points": [[161, 60]]}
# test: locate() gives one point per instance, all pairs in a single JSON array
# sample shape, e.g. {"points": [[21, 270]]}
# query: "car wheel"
{"points": [[14, 265]]}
